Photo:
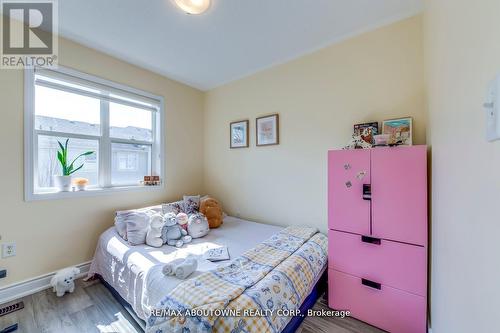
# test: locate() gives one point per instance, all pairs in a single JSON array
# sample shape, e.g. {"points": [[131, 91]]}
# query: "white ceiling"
{"points": [[235, 38]]}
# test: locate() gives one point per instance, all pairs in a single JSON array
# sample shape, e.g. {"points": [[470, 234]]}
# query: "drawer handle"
{"points": [[371, 240], [367, 191], [371, 284]]}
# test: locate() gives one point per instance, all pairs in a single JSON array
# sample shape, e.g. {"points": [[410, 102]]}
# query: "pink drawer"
{"points": [[394, 264], [390, 309]]}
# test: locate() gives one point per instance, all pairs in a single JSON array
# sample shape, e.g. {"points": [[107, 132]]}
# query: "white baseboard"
{"points": [[34, 285]]}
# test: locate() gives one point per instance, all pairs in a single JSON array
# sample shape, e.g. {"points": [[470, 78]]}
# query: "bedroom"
{"points": [[149, 90]]}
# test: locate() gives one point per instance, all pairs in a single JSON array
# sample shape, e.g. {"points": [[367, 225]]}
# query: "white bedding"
{"points": [[135, 271]]}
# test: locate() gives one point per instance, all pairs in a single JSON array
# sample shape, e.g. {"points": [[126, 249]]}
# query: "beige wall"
{"points": [[57, 233], [375, 76], [462, 55]]}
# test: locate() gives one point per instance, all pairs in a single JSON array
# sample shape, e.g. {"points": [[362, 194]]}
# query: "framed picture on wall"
{"points": [[400, 131], [267, 130], [238, 134]]}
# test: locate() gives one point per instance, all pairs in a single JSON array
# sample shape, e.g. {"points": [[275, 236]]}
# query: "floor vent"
{"points": [[11, 308]]}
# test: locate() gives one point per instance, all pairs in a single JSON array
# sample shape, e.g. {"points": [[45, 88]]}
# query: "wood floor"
{"points": [[92, 308]]}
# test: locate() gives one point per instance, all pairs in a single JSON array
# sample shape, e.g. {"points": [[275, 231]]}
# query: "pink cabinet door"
{"points": [[348, 170], [399, 194]]}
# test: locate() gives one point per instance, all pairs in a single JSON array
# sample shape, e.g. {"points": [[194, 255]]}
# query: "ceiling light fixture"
{"points": [[194, 7]]}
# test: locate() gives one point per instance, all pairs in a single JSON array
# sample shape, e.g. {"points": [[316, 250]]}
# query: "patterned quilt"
{"points": [[257, 292]]}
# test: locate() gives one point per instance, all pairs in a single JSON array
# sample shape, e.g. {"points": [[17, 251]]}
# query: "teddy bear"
{"points": [[64, 281], [197, 225], [172, 233], [153, 237], [213, 211]]}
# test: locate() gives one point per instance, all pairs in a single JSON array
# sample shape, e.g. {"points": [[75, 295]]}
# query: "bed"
{"points": [[134, 273]]}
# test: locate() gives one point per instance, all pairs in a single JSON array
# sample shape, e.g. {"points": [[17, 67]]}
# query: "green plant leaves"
{"points": [[62, 156], [71, 172]]}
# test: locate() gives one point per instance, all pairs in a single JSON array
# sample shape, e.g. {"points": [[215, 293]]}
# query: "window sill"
{"points": [[90, 192]]}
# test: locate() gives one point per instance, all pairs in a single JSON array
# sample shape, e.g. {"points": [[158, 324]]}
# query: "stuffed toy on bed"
{"points": [[213, 211], [197, 225], [156, 224], [172, 233], [182, 220]]}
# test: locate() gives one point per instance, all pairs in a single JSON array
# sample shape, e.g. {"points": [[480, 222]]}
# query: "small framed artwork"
{"points": [[366, 131], [400, 131], [267, 130], [238, 132]]}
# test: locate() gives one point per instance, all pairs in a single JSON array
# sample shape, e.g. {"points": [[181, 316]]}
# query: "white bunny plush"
{"points": [[64, 281], [153, 237]]}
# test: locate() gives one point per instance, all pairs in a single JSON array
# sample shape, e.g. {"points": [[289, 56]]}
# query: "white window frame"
{"points": [[105, 142]]}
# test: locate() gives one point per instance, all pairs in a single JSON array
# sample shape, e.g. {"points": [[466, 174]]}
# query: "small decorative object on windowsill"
{"points": [[151, 181], [80, 184], [63, 182]]}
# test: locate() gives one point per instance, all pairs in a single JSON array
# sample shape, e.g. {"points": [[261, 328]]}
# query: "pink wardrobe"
{"points": [[377, 218]]}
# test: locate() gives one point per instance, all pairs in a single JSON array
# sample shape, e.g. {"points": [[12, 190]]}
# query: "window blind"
{"points": [[66, 82]]}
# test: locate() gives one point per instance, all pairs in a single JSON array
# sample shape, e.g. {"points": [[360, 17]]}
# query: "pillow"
{"points": [[137, 227], [172, 207], [121, 217], [121, 227], [191, 204]]}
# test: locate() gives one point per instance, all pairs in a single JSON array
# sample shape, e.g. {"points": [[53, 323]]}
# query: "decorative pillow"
{"points": [[172, 207], [121, 217], [121, 227], [191, 204], [137, 228]]}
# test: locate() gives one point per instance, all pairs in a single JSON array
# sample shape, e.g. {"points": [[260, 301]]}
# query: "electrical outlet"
{"points": [[8, 250]]}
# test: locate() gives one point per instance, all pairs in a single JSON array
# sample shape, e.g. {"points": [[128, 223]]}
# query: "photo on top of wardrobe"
{"points": [[400, 131]]}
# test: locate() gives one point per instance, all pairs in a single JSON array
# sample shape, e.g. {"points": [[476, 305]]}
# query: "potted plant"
{"points": [[63, 183]]}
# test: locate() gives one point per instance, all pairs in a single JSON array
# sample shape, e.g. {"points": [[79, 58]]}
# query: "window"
{"points": [[120, 125]]}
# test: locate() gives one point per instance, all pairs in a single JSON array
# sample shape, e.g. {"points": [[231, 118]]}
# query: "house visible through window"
{"points": [[119, 124]]}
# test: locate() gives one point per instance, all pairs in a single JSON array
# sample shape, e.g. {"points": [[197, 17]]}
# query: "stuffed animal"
{"points": [[197, 225], [172, 234], [357, 142], [153, 237], [213, 211], [182, 220], [64, 281]]}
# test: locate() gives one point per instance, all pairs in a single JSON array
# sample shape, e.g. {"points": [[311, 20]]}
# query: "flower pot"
{"points": [[63, 183]]}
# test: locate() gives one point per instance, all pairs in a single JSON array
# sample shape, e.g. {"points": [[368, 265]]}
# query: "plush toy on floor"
{"points": [[64, 281]]}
